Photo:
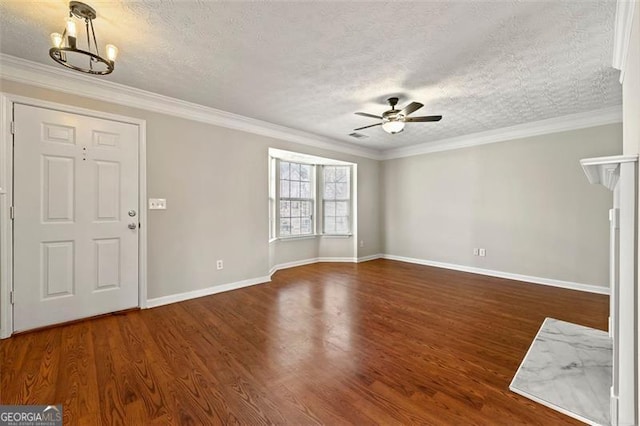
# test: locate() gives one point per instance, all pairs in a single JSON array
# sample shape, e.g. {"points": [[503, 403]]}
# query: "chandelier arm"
{"points": [[86, 28], [94, 37]]}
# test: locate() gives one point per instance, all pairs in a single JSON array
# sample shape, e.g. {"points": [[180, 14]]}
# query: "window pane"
{"points": [[285, 209], [295, 226], [329, 191], [305, 190], [295, 208], [329, 173], [295, 189], [284, 170], [305, 172], [329, 208], [342, 208], [306, 226], [284, 189], [296, 182], [342, 225], [342, 174], [342, 191], [285, 227], [329, 224], [294, 171], [305, 208]]}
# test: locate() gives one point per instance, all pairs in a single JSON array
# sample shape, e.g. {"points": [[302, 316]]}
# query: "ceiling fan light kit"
{"points": [[393, 121], [393, 127], [66, 52]]}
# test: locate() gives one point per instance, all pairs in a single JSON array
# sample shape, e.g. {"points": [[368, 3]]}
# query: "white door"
{"points": [[76, 216]]}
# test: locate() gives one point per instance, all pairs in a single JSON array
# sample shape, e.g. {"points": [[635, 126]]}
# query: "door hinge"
{"points": [[13, 127], [11, 297], [12, 212]]}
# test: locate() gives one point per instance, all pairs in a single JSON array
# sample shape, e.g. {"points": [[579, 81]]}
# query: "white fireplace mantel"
{"points": [[618, 174], [605, 170]]}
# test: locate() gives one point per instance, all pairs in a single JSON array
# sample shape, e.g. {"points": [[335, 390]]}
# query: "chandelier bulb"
{"points": [[71, 27], [112, 52], [56, 40]]}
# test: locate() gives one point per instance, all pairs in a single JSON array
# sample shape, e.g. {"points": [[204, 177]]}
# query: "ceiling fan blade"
{"points": [[413, 106], [366, 127], [423, 119], [364, 114]]}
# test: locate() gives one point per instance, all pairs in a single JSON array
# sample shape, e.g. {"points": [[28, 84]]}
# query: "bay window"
{"points": [[309, 198]]}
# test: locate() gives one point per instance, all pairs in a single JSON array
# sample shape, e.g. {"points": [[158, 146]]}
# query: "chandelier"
{"points": [[66, 50]]}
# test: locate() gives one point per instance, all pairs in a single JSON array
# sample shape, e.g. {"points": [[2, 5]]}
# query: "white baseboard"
{"points": [[508, 275], [309, 261], [293, 264], [338, 259], [370, 257], [180, 297]]}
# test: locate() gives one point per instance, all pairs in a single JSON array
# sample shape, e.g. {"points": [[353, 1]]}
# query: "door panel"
{"points": [[58, 133], [107, 190], [58, 265], [58, 194], [75, 180], [107, 263]]}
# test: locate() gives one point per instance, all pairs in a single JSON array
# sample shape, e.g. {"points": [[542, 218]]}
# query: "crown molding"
{"points": [[622, 34], [552, 125], [62, 80]]}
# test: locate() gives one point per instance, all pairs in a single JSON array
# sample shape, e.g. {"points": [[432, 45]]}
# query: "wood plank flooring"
{"points": [[381, 342]]}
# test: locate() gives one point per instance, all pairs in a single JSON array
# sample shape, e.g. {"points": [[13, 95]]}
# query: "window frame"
{"points": [[317, 191], [349, 200], [278, 200]]}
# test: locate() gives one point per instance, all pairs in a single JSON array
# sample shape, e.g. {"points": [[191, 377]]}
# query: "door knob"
{"points": [[132, 226], [132, 213]]}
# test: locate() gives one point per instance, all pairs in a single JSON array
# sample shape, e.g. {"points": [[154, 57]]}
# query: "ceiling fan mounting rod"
{"points": [[393, 102]]}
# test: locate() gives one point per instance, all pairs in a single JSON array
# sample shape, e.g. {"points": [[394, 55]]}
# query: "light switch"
{"points": [[157, 203]]}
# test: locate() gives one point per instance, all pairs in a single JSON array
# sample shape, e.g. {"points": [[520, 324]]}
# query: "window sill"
{"points": [[310, 237], [297, 237]]}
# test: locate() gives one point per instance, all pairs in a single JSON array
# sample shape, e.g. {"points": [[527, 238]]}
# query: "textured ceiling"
{"points": [[311, 65]]}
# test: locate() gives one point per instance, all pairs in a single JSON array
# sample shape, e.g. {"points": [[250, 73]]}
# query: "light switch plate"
{"points": [[157, 203]]}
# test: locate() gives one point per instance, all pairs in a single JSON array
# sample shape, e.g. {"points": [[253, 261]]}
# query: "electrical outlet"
{"points": [[476, 252], [219, 265], [157, 203], [483, 252], [361, 243]]}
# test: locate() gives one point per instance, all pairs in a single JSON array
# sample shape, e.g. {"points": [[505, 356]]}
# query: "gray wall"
{"points": [[527, 202], [216, 184]]}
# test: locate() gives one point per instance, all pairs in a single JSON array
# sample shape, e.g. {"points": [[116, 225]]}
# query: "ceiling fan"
{"points": [[394, 119]]}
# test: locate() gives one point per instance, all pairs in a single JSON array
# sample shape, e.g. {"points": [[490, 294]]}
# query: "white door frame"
{"points": [[6, 197]]}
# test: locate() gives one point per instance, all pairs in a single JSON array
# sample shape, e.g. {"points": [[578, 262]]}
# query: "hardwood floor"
{"points": [[379, 342]]}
